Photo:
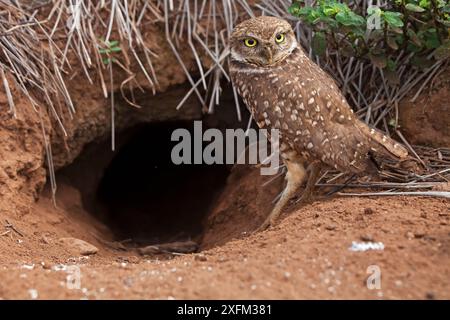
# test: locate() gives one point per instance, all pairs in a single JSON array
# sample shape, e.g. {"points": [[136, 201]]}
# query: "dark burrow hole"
{"points": [[138, 193], [149, 199]]}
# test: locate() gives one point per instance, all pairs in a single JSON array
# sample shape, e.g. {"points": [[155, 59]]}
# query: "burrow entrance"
{"points": [[139, 193], [148, 198]]}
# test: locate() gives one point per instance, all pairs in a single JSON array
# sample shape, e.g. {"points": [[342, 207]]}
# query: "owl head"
{"points": [[262, 41]]}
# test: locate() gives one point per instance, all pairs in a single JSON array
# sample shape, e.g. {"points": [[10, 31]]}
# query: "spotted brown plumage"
{"points": [[285, 90]]}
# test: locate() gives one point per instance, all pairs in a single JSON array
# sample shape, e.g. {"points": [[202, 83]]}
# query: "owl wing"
{"points": [[333, 133]]}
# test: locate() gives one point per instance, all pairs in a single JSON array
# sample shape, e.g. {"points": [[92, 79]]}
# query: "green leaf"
{"points": [[329, 11], [294, 9], [393, 19], [424, 3], [104, 51], [414, 8], [391, 65], [329, 22], [350, 19], [411, 47], [431, 39], [113, 43], [414, 38], [116, 49], [106, 60], [374, 10], [310, 15]]}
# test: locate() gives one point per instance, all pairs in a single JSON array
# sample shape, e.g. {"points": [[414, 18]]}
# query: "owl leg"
{"points": [[313, 175], [295, 176]]}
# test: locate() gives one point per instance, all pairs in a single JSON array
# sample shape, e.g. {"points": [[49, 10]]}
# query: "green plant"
{"points": [[419, 27], [107, 50]]}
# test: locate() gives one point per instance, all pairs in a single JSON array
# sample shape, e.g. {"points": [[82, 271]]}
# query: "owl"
{"points": [[283, 89]]}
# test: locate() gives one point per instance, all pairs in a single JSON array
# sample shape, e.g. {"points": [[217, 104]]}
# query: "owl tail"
{"points": [[383, 145]]}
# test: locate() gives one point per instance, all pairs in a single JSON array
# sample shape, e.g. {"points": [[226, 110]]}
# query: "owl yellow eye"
{"points": [[279, 38], [250, 42]]}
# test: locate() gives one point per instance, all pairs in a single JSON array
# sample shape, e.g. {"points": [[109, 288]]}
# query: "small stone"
{"points": [[45, 239], [430, 295], [410, 235], [33, 294], [331, 227], [366, 237], [419, 234], [201, 257], [368, 211], [79, 247]]}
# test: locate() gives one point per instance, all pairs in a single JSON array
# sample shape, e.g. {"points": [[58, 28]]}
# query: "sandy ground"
{"points": [[305, 256]]}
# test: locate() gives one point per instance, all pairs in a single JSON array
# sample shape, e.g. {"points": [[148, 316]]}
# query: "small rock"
{"points": [[33, 293], [366, 237], [331, 227], [419, 234], [78, 246], [201, 257], [410, 235], [368, 211], [47, 265], [430, 295], [45, 239]]}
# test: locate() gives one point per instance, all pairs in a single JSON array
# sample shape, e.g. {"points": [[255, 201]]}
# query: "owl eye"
{"points": [[279, 38], [250, 42]]}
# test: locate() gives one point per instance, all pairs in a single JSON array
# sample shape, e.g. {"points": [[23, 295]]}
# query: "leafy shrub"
{"points": [[418, 27]]}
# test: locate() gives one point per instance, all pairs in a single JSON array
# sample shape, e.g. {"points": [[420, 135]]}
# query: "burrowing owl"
{"points": [[285, 90]]}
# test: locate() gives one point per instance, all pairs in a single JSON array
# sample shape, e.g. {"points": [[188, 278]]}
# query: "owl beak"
{"points": [[269, 55]]}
